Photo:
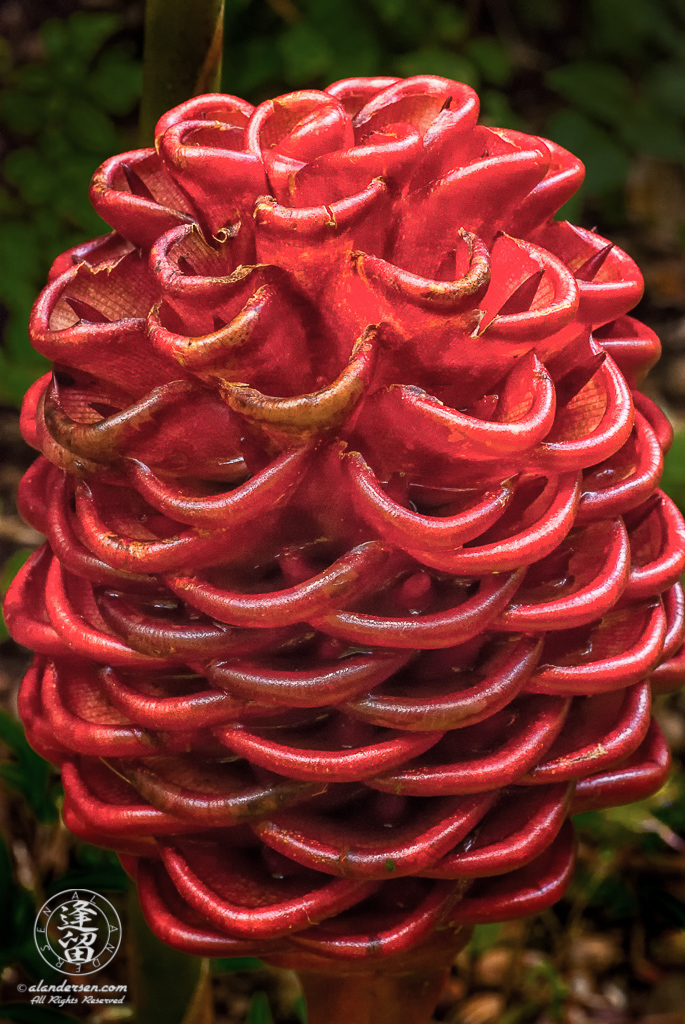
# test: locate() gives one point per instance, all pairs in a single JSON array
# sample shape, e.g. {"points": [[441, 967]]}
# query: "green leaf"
{"points": [[590, 823], [412, 23], [233, 8], [12, 567], [496, 111], [12, 735], [21, 112], [7, 203], [30, 175], [116, 83], [544, 972], [597, 88], [16, 340], [25, 1013], [654, 132], [391, 11], [606, 163], [164, 982], [55, 37], [28, 773], [301, 1009], [626, 29], [19, 250], [15, 379], [434, 60], [260, 1011], [19, 379], [306, 54], [615, 897], [72, 204], [34, 78], [87, 31], [90, 128], [346, 29], [449, 23], [545, 15], [104, 879], [491, 59], [484, 937], [224, 964], [17, 913], [673, 479], [256, 62], [665, 88], [356, 62]]}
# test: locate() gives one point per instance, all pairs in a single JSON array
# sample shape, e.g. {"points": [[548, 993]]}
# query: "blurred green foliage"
{"points": [[92, 868], [25, 1013], [58, 114], [260, 1011], [27, 773], [236, 963], [613, 890], [36, 783], [9, 570], [17, 913], [673, 479]]}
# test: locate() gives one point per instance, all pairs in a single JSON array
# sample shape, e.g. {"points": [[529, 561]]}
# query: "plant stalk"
{"points": [[167, 986], [375, 997], [182, 56], [387, 991]]}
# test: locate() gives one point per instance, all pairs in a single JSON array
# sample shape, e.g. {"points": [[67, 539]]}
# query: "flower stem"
{"points": [[182, 56], [166, 985], [388, 990], [376, 997]]}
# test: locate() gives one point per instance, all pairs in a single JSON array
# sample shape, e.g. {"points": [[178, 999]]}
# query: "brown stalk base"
{"points": [[392, 990]]}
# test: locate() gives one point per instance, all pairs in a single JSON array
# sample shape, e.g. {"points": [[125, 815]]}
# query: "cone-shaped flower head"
{"points": [[357, 579]]}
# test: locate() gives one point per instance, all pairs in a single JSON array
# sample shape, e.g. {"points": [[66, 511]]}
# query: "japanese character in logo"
{"points": [[77, 932]]}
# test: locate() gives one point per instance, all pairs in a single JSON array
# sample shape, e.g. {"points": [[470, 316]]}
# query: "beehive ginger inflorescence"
{"points": [[357, 579]]}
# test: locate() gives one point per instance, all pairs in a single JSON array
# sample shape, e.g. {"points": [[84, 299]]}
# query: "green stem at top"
{"points": [[182, 56]]}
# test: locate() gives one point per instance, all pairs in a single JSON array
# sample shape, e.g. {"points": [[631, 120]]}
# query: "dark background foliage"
{"points": [[606, 79]]}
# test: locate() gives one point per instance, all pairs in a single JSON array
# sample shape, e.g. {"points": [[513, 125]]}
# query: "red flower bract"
{"points": [[357, 579]]}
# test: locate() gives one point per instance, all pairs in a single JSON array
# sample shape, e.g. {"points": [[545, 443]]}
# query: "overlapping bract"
{"points": [[358, 579]]}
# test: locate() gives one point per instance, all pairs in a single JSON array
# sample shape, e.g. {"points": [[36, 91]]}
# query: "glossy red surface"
{"points": [[357, 579]]}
